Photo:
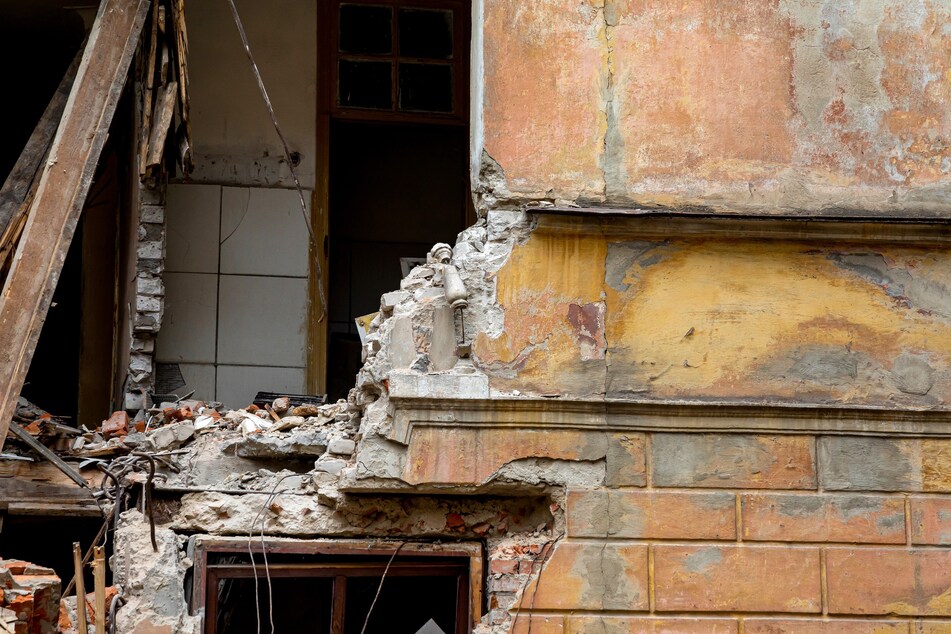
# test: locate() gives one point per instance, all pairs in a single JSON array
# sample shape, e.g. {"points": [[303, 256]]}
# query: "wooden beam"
{"points": [[47, 453], [67, 175], [99, 588], [161, 122], [81, 618]]}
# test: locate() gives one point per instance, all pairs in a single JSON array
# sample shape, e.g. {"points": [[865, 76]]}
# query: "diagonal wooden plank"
{"points": [[63, 186]]}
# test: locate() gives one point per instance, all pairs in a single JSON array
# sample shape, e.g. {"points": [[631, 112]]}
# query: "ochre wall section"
{"points": [[811, 105], [592, 309]]}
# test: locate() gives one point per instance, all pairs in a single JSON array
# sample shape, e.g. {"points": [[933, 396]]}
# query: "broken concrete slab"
{"points": [[299, 444]]}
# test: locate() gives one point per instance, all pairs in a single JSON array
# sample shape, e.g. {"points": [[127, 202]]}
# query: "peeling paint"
{"points": [[770, 105], [721, 318]]}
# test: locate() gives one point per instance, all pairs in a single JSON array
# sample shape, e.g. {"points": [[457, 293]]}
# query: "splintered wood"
{"points": [[164, 95], [67, 175]]}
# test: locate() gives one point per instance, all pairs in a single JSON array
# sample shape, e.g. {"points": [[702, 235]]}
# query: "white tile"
{"points": [[262, 321], [188, 328], [199, 377], [193, 213], [237, 385], [263, 232]]}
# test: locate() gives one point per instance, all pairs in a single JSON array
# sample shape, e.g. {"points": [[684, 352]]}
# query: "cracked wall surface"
{"points": [[769, 105], [594, 310]]}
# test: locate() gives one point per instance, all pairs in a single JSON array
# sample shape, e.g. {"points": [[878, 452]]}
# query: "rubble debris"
{"points": [[68, 618]]}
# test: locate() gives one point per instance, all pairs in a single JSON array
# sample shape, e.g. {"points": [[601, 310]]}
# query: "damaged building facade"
{"points": [[648, 306]]}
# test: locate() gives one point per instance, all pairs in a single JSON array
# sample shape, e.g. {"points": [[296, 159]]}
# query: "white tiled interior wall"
{"points": [[236, 291]]}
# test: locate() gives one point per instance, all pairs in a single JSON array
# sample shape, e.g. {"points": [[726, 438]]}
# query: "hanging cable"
{"points": [[287, 156]]}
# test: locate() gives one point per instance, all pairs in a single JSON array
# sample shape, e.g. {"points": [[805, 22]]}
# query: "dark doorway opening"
{"points": [[395, 190], [396, 78]]}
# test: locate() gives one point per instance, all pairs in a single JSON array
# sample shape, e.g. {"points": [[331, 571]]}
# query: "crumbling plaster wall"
{"points": [[234, 140], [768, 106]]}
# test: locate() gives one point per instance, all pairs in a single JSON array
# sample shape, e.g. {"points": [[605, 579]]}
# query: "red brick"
{"points": [[889, 581], [503, 566], [823, 518], [733, 461], [651, 515], [590, 576], [931, 520], [829, 626], [736, 578], [649, 625], [528, 566]]}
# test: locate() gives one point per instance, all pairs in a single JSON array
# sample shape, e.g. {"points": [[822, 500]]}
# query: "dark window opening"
{"points": [[401, 59], [329, 594]]}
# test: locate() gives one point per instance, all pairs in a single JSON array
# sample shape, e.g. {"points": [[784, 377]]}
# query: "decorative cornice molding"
{"points": [[692, 416]]}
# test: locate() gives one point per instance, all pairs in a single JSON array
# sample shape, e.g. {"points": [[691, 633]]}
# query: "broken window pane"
{"points": [[426, 87], [301, 606], [425, 33], [366, 30], [365, 84]]}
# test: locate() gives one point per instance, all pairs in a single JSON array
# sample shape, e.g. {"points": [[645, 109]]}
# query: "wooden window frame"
{"points": [[205, 576], [459, 63]]}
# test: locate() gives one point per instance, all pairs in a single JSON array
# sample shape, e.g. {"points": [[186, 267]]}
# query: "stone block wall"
{"points": [[755, 533]]}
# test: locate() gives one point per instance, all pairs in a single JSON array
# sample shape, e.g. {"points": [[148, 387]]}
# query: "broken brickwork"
{"points": [[29, 598], [149, 296]]}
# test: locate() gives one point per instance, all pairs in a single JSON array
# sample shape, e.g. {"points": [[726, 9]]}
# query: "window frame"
{"points": [[459, 63], [469, 593]]}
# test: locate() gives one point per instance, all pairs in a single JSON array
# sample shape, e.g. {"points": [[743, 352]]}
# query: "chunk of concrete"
{"points": [[171, 436], [332, 465], [447, 385], [342, 446], [303, 443], [390, 300]]}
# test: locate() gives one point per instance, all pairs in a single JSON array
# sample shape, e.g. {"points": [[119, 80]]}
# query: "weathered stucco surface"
{"points": [[592, 309], [788, 105]]}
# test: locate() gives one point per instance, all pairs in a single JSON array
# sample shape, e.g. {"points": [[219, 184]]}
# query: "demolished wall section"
{"points": [[149, 296]]}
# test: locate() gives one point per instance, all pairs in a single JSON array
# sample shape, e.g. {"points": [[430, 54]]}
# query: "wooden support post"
{"points": [[80, 590], [63, 187], [99, 577]]}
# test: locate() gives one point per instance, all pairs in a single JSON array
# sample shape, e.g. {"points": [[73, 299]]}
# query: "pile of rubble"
{"points": [[172, 425]]}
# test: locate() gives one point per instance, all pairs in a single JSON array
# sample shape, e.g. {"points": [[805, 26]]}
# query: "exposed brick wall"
{"points": [[753, 534], [149, 296]]}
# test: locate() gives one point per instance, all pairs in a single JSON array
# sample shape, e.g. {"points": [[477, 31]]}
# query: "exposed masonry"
{"points": [[317, 465], [149, 295]]}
